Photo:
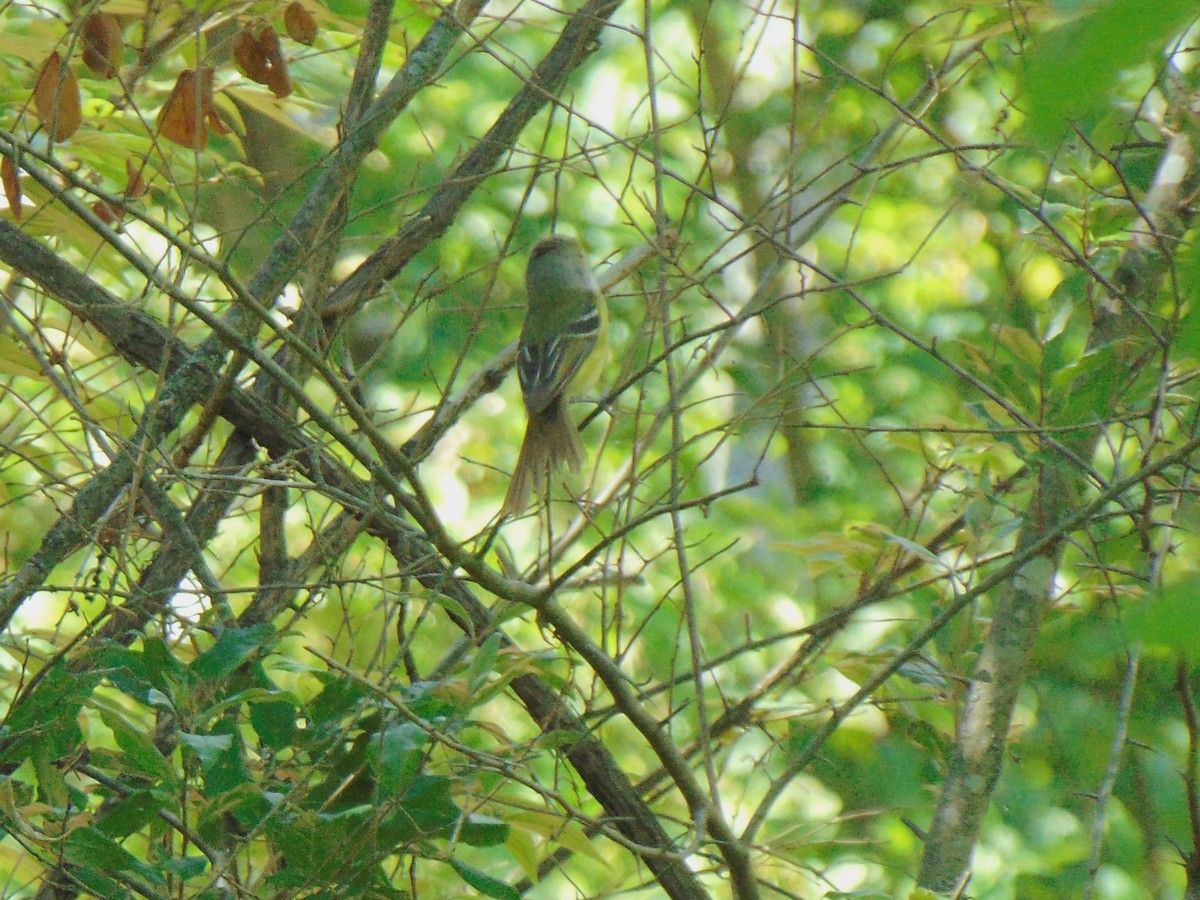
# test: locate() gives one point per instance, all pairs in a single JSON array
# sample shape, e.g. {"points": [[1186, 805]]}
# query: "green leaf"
{"points": [[97, 885], [485, 884], [248, 803], [1187, 338], [426, 810], [274, 722], [92, 849], [430, 804], [309, 840], [1073, 69], [524, 851], [125, 668], [207, 747], [52, 786], [140, 754], [225, 769], [483, 663], [15, 359], [155, 697], [233, 647], [341, 697], [129, 814], [1165, 618], [572, 836], [162, 668], [397, 757], [1088, 390], [48, 718], [186, 866], [449, 603], [483, 831]]}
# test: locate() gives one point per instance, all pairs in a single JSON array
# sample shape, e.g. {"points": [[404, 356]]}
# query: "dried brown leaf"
{"points": [[56, 98], [102, 44], [182, 118], [278, 79], [135, 181], [300, 24], [105, 213], [12, 186], [249, 57], [214, 121], [260, 57]]}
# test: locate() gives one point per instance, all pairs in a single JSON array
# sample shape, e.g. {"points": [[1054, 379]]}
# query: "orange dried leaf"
{"points": [[56, 98], [260, 57], [102, 44], [179, 119], [105, 213], [249, 56], [206, 102], [135, 181], [300, 24], [278, 79], [12, 186], [182, 118], [215, 123]]}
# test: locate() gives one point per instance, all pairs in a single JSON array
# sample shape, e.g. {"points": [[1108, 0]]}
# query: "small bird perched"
{"points": [[565, 321]]}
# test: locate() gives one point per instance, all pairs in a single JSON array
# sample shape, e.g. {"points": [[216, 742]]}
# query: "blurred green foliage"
{"points": [[832, 389]]}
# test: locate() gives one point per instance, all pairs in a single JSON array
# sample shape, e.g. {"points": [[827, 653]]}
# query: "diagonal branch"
{"points": [[580, 37], [153, 347], [194, 379]]}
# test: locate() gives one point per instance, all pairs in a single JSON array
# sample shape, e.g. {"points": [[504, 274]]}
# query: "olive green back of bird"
{"points": [[565, 322]]}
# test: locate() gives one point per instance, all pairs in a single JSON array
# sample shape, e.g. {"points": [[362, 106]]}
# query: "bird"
{"points": [[561, 347]]}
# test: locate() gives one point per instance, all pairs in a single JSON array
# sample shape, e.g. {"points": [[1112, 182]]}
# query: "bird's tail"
{"points": [[551, 442]]}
